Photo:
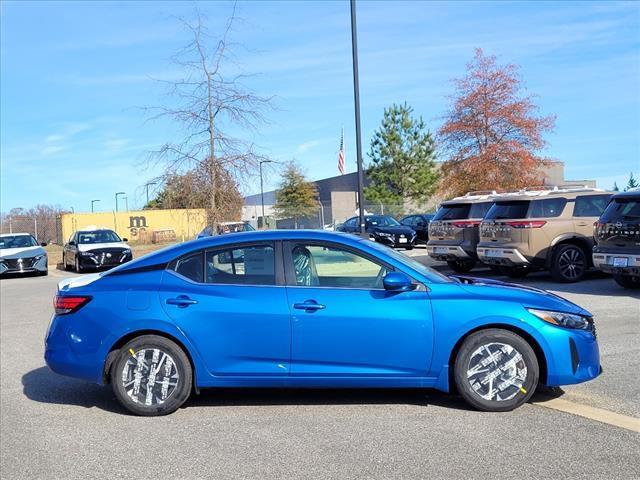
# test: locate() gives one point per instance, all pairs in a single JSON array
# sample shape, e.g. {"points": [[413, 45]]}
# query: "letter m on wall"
{"points": [[137, 222]]}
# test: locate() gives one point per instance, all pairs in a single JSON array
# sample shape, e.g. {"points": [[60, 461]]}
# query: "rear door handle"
{"points": [[309, 305], [582, 224], [181, 301]]}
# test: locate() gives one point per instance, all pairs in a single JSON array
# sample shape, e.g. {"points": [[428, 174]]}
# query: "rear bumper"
{"points": [[604, 261], [445, 252], [501, 256]]}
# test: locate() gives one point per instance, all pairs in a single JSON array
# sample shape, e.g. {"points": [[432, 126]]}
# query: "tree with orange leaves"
{"points": [[492, 134]]}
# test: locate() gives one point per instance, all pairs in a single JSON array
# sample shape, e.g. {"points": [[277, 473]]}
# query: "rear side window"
{"points": [[513, 209], [253, 265], [456, 211], [479, 210], [590, 205], [622, 210], [546, 208], [191, 267]]}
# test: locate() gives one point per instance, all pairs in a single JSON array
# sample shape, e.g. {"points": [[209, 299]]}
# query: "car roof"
{"points": [[631, 193], [91, 230], [569, 193]]}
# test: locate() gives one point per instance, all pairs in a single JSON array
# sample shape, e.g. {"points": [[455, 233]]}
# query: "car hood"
{"points": [[23, 252], [393, 230], [86, 247], [527, 296]]}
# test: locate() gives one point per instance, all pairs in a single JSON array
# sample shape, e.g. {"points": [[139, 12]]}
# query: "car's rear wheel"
{"points": [[627, 281], [514, 272], [461, 266], [569, 263], [496, 370], [151, 376]]}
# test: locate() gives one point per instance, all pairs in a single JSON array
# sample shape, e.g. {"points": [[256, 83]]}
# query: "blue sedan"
{"points": [[311, 309]]}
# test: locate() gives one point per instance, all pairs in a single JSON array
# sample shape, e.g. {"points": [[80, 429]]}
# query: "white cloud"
{"points": [[52, 150], [303, 147]]}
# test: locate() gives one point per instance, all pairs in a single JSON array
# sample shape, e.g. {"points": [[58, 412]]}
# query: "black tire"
{"points": [[495, 269], [77, 267], [461, 266], [469, 356], [627, 281], [179, 370], [409, 247], [569, 263], [514, 272], [65, 265], [44, 274]]}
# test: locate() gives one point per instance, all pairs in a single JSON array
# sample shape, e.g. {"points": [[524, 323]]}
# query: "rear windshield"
{"points": [[479, 210], [456, 211], [500, 210], [622, 209]]}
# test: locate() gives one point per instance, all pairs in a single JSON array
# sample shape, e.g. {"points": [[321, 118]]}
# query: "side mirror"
{"points": [[72, 243], [125, 239], [43, 244], [397, 282]]}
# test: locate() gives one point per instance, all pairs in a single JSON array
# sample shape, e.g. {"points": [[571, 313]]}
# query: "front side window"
{"points": [[409, 221], [334, 267], [251, 265], [590, 205], [351, 222]]}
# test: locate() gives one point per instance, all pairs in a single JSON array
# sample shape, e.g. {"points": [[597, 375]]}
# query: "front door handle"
{"points": [[308, 305], [582, 224], [181, 301]]}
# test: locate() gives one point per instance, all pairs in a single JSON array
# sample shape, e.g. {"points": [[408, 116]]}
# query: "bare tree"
{"points": [[209, 100]]}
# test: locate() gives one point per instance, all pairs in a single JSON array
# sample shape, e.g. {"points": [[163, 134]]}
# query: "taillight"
{"points": [[531, 224], [64, 305], [466, 223]]}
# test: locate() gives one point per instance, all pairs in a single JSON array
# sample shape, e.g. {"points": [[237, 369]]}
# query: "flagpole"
{"points": [[356, 97]]}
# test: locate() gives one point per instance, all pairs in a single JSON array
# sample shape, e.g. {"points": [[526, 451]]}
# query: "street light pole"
{"points": [[262, 189], [126, 204], [147, 187], [356, 97], [92, 202], [118, 193]]}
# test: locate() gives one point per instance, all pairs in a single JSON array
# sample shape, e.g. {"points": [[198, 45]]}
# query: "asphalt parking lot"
{"points": [[57, 427]]}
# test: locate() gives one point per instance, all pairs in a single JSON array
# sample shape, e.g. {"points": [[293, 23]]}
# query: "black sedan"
{"points": [[94, 249], [420, 224], [383, 229]]}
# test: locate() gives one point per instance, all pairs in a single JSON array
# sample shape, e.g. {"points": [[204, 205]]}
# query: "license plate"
{"points": [[440, 250], [493, 252], [620, 261], [402, 240]]}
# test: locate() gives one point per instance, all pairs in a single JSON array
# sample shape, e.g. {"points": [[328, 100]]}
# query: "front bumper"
{"points": [[103, 261], [616, 263], [572, 356], [501, 256], [396, 241], [24, 265]]}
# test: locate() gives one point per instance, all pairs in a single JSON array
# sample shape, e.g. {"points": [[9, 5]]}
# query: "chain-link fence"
{"points": [[44, 228]]}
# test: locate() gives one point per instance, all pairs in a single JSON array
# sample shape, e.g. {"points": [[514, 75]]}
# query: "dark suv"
{"points": [[617, 237]]}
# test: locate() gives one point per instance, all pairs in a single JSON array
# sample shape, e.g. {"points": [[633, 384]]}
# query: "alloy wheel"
{"points": [[497, 372], [150, 376], [571, 263]]}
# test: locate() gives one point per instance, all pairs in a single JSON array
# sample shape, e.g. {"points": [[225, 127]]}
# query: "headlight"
{"points": [[567, 320], [126, 251], [37, 258]]}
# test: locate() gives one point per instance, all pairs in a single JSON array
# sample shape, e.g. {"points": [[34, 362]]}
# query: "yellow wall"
{"points": [[137, 225]]}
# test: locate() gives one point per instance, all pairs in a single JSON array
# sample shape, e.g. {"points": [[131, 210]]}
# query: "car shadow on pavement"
{"points": [[224, 397], [44, 386]]}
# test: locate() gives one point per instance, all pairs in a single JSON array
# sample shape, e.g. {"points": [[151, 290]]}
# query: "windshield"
{"points": [[18, 241], [622, 209], [381, 221], [100, 236], [456, 211], [502, 210], [428, 272]]}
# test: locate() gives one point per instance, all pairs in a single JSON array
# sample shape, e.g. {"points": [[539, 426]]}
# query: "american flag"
{"points": [[341, 154]]}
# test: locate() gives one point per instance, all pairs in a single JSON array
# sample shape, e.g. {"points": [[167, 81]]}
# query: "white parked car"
{"points": [[20, 253]]}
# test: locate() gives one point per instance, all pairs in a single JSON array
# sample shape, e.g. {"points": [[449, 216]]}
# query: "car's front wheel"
{"points": [[496, 370], [151, 376], [627, 281]]}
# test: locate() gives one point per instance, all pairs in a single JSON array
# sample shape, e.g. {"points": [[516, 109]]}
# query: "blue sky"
{"points": [[73, 75]]}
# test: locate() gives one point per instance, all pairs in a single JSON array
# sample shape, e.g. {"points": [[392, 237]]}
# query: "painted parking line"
{"points": [[592, 413]]}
